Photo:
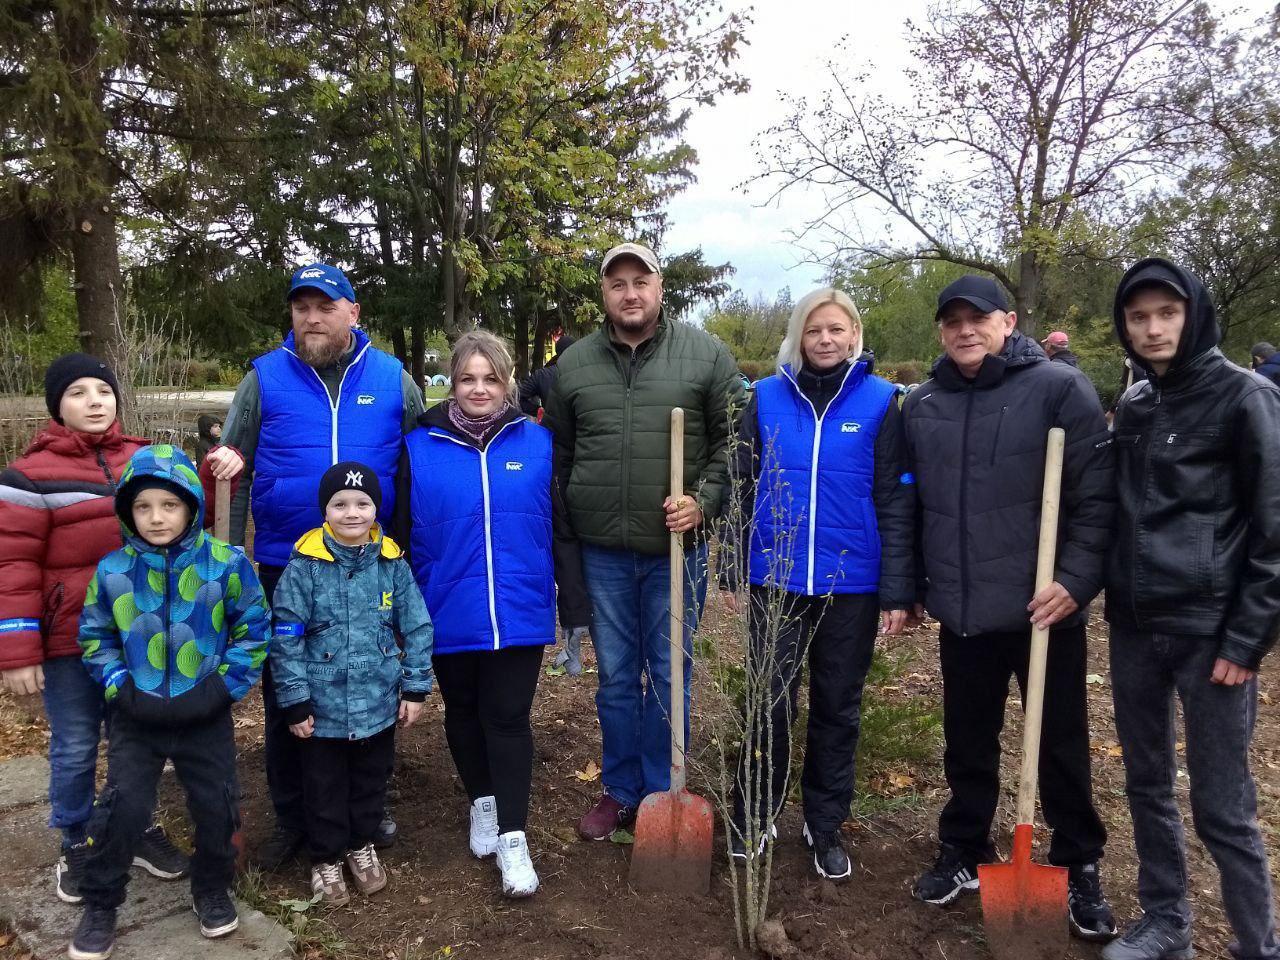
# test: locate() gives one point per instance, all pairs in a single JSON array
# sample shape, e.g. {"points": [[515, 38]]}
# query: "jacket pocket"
{"points": [[995, 441]]}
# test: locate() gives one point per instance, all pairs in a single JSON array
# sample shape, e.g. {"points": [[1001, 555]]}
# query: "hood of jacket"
{"points": [[1200, 334], [160, 461], [1018, 351], [204, 424], [321, 544]]}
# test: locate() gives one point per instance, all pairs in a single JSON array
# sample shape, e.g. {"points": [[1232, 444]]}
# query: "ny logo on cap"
{"points": [[355, 479]]}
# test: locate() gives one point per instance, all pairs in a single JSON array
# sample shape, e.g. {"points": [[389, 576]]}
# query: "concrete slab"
{"points": [[27, 841], [155, 923], [23, 781]]}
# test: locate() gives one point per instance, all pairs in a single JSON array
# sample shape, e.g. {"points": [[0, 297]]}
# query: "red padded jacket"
{"points": [[57, 520]]}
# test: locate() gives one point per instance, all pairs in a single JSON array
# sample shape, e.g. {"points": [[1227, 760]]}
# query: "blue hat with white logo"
{"points": [[320, 276]]}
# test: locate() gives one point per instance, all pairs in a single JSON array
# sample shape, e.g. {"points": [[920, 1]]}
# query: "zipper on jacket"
{"points": [[168, 625], [624, 488], [964, 517], [488, 523], [813, 465], [999, 426], [1142, 507], [106, 469], [336, 401]]}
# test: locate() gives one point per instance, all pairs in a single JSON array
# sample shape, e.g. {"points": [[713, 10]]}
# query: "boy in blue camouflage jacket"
{"points": [[175, 630], [351, 654]]}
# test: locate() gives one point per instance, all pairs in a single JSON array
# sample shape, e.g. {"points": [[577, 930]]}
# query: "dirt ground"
{"points": [[443, 903]]}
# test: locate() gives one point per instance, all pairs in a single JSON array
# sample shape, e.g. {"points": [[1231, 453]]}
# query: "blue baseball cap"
{"points": [[320, 276]]}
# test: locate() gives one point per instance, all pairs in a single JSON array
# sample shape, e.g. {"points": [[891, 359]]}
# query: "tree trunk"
{"points": [[521, 336], [99, 293], [398, 345], [419, 347], [1027, 296]]}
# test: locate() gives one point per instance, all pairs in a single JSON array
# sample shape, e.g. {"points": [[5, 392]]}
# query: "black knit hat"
{"points": [[349, 475], [66, 370]]}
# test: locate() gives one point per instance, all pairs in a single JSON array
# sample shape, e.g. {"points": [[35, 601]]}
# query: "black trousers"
{"points": [[344, 788], [839, 635], [487, 699], [204, 758], [282, 748], [975, 686]]}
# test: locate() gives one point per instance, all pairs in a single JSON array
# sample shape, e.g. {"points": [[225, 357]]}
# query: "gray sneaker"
{"points": [[1151, 938]]}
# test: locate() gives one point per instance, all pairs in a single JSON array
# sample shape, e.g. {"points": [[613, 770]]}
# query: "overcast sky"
{"points": [[790, 41]]}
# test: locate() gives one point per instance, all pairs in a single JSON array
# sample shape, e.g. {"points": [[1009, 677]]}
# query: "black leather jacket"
{"points": [[1197, 549]]}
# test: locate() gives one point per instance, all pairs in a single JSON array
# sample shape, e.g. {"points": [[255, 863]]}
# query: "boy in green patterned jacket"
{"points": [[175, 630]]}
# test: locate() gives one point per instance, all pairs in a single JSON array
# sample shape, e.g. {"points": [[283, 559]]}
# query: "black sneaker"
{"points": [[69, 870], [738, 843], [829, 856], [951, 875], [281, 847], [156, 854], [217, 913], [95, 935], [386, 835], [1088, 912]]}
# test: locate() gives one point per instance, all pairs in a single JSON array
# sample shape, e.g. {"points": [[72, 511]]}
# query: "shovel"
{"points": [[672, 852], [1024, 904]]}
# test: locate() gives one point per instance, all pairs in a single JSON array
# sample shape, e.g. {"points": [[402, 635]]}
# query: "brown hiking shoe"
{"points": [[327, 881], [366, 869], [605, 817]]}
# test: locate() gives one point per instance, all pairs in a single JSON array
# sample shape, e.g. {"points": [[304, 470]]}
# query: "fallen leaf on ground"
{"points": [[622, 836], [588, 773], [1095, 678]]}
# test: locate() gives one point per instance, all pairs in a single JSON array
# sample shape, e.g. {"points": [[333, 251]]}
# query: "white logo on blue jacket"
{"points": [[364, 399], [850, 426], [514, 465]]}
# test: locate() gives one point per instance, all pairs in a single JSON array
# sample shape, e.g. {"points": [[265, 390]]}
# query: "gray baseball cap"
{"points": [[637, 250]]}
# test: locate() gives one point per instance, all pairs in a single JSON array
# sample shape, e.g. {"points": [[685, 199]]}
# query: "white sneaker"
{"points": [[518, 876], [484, 827]]}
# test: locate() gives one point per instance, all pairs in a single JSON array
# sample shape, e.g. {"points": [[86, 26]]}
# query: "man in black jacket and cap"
{"points": [[1193, 597], [976, 436]]}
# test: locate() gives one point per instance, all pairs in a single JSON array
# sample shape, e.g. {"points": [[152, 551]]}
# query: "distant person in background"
{"points": [[536, 387], [1058, 346], [1266, 361], [210, 428]]}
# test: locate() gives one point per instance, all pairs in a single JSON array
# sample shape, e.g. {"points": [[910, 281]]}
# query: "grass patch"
{"points": [[314, 938]]}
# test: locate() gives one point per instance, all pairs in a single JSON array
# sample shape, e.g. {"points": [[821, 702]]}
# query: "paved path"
{"points": [[156, 922]]}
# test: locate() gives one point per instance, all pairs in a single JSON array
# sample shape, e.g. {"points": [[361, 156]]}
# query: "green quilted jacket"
{"points": [[610, 412]]}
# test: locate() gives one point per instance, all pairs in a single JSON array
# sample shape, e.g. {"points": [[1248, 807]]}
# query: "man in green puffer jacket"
{"points": [[610, 412]]}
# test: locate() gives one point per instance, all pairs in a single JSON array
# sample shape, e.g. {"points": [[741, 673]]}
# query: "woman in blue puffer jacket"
{"points": [[477, 495]]}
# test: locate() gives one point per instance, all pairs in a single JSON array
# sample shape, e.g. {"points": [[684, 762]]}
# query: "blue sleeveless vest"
{"points": [[481, 537], [303, 434], [813, 528]]}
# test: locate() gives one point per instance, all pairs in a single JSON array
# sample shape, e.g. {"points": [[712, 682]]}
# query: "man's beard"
{"points": [[324, 353]]}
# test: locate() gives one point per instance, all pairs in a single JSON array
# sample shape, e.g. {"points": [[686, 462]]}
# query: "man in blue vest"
{"points": [[323, 396]]}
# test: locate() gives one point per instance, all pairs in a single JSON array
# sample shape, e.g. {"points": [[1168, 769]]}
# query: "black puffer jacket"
{"points": [[1198, 469], [977, 450]]}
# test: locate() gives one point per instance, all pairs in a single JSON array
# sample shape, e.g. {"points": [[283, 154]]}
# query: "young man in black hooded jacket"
{"points": [[1193, 597]]}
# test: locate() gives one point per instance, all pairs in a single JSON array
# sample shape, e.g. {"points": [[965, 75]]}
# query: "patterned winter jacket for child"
{"points": [[174, 634], [334, 653]]}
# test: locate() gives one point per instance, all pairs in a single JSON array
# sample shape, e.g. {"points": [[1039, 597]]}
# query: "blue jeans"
{"points": [[75, 707], [630, 599]]}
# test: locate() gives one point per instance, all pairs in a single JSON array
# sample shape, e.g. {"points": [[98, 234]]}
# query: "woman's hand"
{"points": [[303, 729]]}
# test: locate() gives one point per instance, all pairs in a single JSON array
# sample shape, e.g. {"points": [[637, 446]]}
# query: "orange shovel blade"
{"points": [[1024, 905], [672, 852]]}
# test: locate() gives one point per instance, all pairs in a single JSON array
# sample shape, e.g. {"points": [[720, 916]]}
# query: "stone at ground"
{"points": [[25, 781], [156, 921]]}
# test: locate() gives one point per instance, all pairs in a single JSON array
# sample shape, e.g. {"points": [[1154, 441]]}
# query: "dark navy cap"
{"points": [[982, 292], [320, 276], [1152, 275]]}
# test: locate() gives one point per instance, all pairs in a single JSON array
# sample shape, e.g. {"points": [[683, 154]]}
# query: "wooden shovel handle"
{"points": [[676, 626], [222, 510], [1034, 704]]}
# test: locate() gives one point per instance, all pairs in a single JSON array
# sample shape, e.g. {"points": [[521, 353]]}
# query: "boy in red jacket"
{"points": [[57, 520]]}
